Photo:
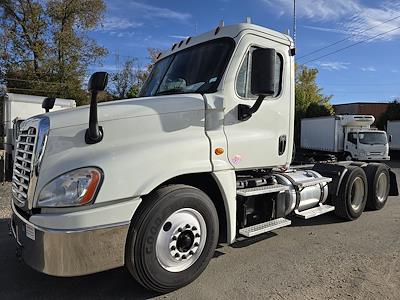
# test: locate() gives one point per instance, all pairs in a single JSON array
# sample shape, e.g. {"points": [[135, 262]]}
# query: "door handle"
{"points": [[282, 144]]}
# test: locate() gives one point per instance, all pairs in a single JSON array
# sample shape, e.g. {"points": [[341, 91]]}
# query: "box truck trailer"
{"points": [[349, 137], [393, 130], [15, 109], [203, 156]]}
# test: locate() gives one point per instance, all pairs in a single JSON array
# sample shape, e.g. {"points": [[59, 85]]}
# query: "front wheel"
{"points": [[172, 238]]}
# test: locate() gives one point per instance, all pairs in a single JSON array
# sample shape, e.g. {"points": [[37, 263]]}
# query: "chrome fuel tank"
{"points": [[306, 197]]}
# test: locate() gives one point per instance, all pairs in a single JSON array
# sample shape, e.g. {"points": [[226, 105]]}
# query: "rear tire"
{"points": [[353, 194], [378, 185], [172, 238]]}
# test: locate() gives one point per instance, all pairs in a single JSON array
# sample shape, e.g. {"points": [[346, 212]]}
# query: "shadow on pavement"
{"points": [[18, 281]]}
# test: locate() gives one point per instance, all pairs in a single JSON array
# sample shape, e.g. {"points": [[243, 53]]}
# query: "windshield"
{"points": [[198, 69], [372, 138]]}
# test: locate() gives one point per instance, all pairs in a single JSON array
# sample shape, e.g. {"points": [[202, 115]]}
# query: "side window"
{"points": [[243, 83], [352, 137]]}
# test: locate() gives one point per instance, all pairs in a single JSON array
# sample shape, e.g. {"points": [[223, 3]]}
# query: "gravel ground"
{"points": [[321, 258], [5, 196]]}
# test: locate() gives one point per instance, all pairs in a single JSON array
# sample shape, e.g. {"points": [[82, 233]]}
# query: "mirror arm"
{"points": [[94, 133], [245, 111]]}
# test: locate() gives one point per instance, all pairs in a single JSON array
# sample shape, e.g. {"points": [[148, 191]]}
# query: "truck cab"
{"points": [[203, 156], [363, 142]]}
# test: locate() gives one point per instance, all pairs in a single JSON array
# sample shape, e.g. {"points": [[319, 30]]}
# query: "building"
{"points": [[375, 109]]}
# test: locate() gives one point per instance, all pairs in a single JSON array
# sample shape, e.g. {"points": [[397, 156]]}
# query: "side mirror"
{"points": [[262, 80], [98, 81], [390, 138], [48, 103], [263, 72]]}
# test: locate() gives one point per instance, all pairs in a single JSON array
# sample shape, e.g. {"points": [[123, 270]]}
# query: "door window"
{"points": [[243, 81], [352, 138]]}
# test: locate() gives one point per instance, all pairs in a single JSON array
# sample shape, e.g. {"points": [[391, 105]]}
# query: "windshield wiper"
{"points": [[171, 92]]}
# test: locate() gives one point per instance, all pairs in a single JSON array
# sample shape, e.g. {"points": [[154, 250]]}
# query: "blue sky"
{"points": [[369, 71]]}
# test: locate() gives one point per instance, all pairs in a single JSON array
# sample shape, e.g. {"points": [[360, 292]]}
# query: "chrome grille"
{"points": [[23, 164]]}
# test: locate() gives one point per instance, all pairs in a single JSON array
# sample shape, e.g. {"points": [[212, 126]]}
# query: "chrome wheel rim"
{"points": [[381, 189], [357, 193], [181, 240]]}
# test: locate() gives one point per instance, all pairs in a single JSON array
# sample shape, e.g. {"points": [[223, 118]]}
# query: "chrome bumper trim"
{"points": [[70, 253]]}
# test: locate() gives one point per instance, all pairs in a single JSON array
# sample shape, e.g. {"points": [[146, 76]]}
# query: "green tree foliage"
{"points": [[129, 80], [391, 113], [45, 49], [310, 101]]}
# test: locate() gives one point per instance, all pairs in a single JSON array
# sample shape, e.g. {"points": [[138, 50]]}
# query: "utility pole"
{"points": [[294, 22]]}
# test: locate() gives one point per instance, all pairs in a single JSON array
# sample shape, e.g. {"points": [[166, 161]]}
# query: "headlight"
{"points": [[74, 188]]}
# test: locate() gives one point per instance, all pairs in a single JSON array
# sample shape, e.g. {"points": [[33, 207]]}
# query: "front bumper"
{"points": [[69, 252]]}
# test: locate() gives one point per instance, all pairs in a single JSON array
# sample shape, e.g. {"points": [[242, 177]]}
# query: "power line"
{"points": [[349, 37], [352, 45]]}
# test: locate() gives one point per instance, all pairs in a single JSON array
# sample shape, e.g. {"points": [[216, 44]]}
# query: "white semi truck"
{"points": [[203, 156], [14, 109], [393, 130], [349, 137]]}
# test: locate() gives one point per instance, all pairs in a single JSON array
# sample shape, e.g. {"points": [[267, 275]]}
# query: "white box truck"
{"points": [[393, 130], [154, 183], [349, 137], [15, 109]]}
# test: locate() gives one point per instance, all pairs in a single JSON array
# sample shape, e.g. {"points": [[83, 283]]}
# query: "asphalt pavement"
{"points": [[320, 258]]}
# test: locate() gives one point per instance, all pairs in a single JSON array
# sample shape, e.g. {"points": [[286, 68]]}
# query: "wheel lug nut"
{"points": [[194, 228], [173, 248], [179, 229], [187, 226], [197, 235], [196, 244], [177, 255], [183, 256], [174, 238]]}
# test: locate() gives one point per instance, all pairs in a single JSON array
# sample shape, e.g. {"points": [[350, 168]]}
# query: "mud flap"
{"points": [[394, 190]]}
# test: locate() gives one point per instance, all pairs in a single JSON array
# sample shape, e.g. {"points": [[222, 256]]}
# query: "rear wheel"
{"points": [[353, 194], [378, 185], [172, 239]]}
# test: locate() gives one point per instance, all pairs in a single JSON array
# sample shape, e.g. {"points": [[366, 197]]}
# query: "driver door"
{"points": [[264, 140]]}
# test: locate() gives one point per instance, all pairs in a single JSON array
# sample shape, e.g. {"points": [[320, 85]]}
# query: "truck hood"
{"points": [[128, 108]]}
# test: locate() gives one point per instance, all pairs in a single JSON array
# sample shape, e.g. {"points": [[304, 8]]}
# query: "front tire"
{"points": [[172, 238]]}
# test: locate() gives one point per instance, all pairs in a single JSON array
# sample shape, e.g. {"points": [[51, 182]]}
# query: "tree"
{"points": [[391, 113], [124, 79], [129, 80], [310, 101], [44, 45]]}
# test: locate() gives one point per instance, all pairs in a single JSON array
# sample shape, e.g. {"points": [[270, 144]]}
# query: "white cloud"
{"points": [[353, 16], [150, 11], [333, 65], [368, 69], [117, 23], [318, 10], [334, 30], [179, 37]]}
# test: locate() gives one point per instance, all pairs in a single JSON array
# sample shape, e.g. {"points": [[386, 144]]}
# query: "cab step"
{"points": [[264, 227], [259, 190], [315, 211]]}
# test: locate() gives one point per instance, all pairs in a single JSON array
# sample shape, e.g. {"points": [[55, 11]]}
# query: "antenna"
{"points": [[294, 22]]}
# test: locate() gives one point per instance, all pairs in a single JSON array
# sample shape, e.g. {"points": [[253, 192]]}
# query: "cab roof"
{"points": [[231, 31]]}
